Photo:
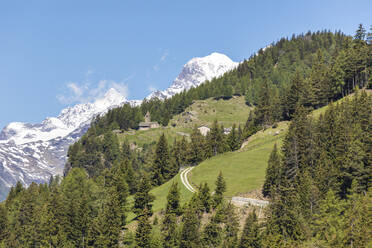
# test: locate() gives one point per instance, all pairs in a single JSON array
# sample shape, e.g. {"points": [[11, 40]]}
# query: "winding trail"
{"points": [[185, 181], [241, 201]]}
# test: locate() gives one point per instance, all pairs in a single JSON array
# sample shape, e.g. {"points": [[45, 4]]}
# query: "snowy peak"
{"points": [[195, 72], [67, 121]]}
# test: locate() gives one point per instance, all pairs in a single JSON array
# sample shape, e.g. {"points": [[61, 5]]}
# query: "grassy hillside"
{"points": [[243, 170], [202, 112]]}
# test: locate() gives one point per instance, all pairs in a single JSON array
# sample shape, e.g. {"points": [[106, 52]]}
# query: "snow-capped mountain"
{"points": [[195, 72], [34, 152]]}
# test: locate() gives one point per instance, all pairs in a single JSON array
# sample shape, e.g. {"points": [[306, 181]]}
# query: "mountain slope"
{"points": [[195, 72], [34, 152]]}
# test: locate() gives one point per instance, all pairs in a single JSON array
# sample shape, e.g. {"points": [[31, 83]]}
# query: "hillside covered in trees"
{"points": [[318, 183]]}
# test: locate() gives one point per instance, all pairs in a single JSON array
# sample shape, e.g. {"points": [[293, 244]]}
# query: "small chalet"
{"points": [[148, 124], [204, 130]]}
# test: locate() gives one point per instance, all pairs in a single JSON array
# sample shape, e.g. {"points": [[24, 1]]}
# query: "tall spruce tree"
{"points": [[250, 236], [162, 166], [272, 172], [219, 191], [143, 232], [173, 200], [143, 199]]}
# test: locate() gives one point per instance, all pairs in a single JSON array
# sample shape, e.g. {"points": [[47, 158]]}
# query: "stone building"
{"points": [[148, 124]]}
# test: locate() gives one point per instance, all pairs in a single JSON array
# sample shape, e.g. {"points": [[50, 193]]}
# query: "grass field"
{"points": [[202, 112], [243, 170]]}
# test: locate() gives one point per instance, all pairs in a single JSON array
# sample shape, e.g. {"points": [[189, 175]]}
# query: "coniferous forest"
{"points": [[318, 182]]}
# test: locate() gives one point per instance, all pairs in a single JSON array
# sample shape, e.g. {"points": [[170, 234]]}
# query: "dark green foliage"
{"points": [[231, 226], [233, 139], [143, 199], [143, 232], [197, 147], [272, 172], [189, 236], [3, 222], [170, 231], [173, 200], [204, 197], [212, 234], [219, 191], [162, 167], [109, 222], [250, 236]]}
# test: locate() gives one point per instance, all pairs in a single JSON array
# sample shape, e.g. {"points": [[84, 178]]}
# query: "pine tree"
{"points": [[143, 232], [216, 140], [196, 148], [231, 227], [219, 191], [233, 139], [212, 234], [162, 166], [120, 188], [294, 96], [360, 34], [250, 236], [264, 110], [328, 222], [173, 200], [110, 221], [3, 222], [357, 223], [250, 127], [189, 236], [272, 172], [169, 231], [204, 197], [284, 216], [143, 199]]}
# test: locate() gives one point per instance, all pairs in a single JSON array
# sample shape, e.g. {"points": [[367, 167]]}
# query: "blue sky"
{"points": [[58, 53]]}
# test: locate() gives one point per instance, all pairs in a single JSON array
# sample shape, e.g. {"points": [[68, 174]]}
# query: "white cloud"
{"points": [[89, 92], [164, 56]]}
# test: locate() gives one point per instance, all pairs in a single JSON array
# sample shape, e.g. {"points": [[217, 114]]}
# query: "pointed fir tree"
{"points": [[212, 234], [219, 191], [272, 172], [110, 221], [173, 200], [190, 236], [204, 197], [328, 221], [250, 236], [162, 166], [169, 231], [143, 232], [143, 199], [233, 139], [231, 227]]}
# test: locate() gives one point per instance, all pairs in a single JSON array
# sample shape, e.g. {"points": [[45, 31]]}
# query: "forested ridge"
{"points": [[318, 182]]}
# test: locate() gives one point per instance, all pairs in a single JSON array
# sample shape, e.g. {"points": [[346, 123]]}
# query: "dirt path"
{"points": [[240, 201], [185, 181]]}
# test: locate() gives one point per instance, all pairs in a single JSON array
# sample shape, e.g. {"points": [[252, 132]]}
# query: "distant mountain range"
{"points": [[35, 152]]}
